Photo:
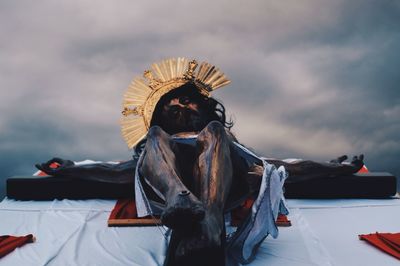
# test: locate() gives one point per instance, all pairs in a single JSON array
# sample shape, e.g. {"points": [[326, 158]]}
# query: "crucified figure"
{"points": [[191, 168], [198, 181]]}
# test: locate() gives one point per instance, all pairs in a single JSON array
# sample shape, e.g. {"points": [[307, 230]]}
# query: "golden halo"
{"points": [[142, 95]]}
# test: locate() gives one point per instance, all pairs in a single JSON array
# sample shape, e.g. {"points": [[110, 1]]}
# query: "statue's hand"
{"points": [[339, 159], [253, 177], [357, 162], [49, 169], [256, 169]]}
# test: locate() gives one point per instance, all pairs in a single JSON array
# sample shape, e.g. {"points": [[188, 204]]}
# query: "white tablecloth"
{"points": [[324, 232]]}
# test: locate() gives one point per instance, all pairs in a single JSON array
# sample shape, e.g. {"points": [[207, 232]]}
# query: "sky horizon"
{"points": [[311, 80]]}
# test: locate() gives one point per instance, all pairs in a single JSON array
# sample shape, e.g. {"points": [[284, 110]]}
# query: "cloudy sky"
{"points": [[310, 79]]}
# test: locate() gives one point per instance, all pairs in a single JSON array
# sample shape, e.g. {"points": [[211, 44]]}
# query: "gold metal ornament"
{"points": [[189, 75], [142, 95]]}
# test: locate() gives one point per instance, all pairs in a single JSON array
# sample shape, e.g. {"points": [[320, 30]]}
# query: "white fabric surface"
{"points": [[324, 232], [76, 233]]}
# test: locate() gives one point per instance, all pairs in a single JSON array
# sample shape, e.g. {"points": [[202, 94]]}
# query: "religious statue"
{"points": [[189, 168]]}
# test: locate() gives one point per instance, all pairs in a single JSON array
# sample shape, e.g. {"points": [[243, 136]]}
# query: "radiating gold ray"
{"points": [[214, 77], [173, 67], [179, 66], [169, 68], [164, 70], [209, 72], [219, 80], [205, 68], [201, 70], [226, 82], [157, 70]]}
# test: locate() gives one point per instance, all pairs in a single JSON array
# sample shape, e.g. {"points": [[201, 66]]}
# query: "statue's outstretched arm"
{"points": [[303, 170], [104, 172]]}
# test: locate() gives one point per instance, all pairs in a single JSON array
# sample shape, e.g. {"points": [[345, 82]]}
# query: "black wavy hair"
{"points": [[213, 109]]}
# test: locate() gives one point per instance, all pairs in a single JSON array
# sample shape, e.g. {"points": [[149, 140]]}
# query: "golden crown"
{"points": [[142, 95]]}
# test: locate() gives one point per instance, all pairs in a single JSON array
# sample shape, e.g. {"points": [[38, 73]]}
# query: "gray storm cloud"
{"points": [[310, 79]]}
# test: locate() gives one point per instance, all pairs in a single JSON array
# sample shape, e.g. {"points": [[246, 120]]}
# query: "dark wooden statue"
{"points": [[197, 182], [194, 181]]}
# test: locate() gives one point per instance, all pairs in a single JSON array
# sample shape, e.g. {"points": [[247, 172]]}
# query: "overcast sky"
{"points": [[310, 79]]}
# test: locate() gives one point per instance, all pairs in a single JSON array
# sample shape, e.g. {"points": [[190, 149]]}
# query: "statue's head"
{"points": [[185, 109]]}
